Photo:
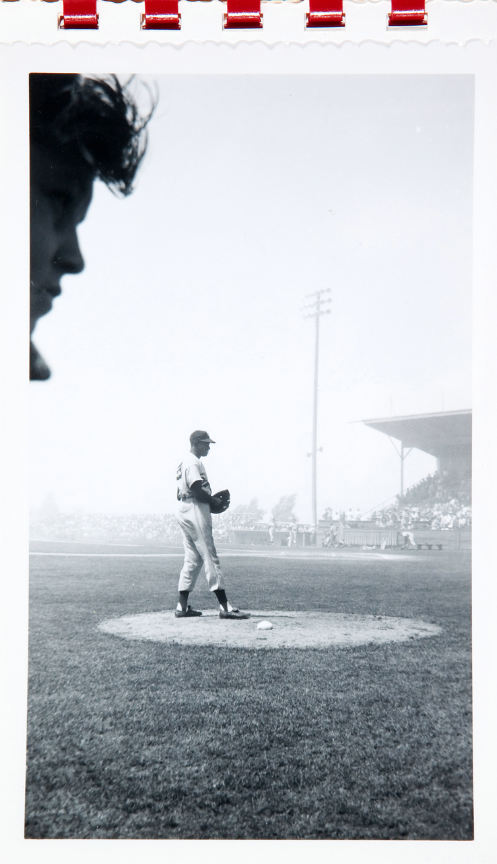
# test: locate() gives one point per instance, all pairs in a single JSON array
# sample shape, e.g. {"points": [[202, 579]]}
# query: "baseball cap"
{"points": [[201, 435]]}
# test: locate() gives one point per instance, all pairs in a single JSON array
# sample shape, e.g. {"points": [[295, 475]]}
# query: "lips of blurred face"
{"points": [[41, 300]]}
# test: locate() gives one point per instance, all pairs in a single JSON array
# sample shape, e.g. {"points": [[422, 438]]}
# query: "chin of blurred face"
{"points": [[60, 196]]}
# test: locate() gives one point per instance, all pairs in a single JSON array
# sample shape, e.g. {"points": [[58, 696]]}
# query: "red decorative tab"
{"points": [[161, 15], [325, 13], [407, 13], [79, 15], [243, 13]]}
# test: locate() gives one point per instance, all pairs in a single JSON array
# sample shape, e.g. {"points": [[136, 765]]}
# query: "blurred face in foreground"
{"points": [[60, 196]]}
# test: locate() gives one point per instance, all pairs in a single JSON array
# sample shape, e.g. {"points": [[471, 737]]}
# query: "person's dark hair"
{"points": [[93, 121]]}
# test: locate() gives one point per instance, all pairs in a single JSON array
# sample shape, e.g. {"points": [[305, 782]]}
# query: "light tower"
{"points": [[317, 305]]}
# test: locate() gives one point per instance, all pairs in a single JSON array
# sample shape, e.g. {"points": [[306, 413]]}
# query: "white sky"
{"points": [[254, 193]]}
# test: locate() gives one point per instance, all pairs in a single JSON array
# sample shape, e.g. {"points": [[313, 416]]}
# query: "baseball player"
{"points": [[196, 503], [406, 527]]}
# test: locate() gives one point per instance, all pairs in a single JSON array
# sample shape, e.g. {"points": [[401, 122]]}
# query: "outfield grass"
{"points": [[144, 740]]}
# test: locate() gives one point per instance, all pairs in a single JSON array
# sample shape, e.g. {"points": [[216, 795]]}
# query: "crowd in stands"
{"points": [[431, 503], [353, 514], [139, 528], [452, 514], [439, 501], [158, 529], [439, 489]]}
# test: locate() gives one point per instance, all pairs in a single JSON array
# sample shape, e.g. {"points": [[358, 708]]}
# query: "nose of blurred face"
{"points": [[69, 258]]}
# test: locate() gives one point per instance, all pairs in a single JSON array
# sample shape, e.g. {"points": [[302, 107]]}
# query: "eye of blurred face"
{"points": [[61, 203]]}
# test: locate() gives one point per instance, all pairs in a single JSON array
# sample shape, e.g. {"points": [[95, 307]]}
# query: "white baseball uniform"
{"points": [[195, 520]]}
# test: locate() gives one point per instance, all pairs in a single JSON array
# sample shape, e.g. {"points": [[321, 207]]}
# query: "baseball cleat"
{"points": [[190, 613], [233, 614]]}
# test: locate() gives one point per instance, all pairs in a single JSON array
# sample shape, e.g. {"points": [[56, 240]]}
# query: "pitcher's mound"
{"points": [[290, 629]]}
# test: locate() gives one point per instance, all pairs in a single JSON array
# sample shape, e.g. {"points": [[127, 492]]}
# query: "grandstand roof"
{"points": [[441, 434]]}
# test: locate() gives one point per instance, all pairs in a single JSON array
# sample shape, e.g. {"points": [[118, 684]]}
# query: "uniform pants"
{"points": [[195, 521]]}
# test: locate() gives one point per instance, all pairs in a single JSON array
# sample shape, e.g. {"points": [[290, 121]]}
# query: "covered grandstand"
{"points": [[447, 435]]}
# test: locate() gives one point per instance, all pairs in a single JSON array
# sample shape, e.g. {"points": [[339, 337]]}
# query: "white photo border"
{"points": [[17, 61]]}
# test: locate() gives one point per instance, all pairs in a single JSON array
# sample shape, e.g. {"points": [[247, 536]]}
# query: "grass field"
{"points": [[146, 740]]}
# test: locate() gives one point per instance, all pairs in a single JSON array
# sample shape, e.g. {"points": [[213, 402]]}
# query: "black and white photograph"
{"points": [[291, 660], [250, 456]]}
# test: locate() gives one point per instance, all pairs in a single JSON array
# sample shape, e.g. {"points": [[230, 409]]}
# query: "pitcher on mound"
{"points": [[196, 503]]}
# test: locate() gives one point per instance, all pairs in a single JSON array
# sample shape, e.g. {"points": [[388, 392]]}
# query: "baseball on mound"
{"points": [[264, 625]]}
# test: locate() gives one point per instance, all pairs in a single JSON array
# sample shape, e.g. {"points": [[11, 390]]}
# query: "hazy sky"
{"points": [[255, 192]]}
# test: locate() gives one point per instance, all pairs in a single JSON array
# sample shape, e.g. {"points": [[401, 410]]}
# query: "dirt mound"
{"points": [[290, 629]]}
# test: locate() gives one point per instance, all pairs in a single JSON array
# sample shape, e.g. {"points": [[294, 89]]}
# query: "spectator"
{"points": [[80, 129]]}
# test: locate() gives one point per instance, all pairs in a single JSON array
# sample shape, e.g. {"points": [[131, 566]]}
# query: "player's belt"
{"points": [[184, 497]]}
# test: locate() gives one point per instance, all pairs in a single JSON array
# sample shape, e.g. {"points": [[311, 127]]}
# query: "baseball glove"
{"points": [[220, 501]]}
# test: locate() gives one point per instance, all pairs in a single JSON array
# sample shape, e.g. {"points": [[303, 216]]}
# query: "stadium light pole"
{"points": [[317, 306], [402, 457]]}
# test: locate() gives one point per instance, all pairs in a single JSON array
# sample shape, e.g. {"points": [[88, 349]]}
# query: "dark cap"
{"points": [[201, 435]]}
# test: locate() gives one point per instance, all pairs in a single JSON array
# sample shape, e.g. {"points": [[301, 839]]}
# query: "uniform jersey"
{"points": [[190, 471]]}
